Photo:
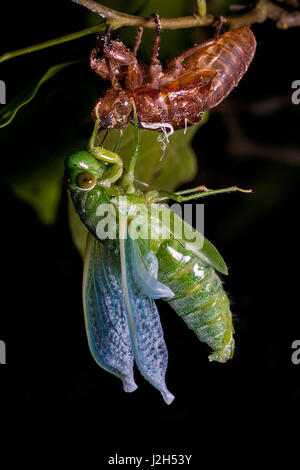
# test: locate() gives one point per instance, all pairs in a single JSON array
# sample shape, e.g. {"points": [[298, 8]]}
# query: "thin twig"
{"points": [[53, 42], [117, 19], [263, 10]]}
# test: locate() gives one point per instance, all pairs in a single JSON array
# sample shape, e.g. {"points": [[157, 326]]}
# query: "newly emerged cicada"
{"points": [[135, 255], [176, 97]]}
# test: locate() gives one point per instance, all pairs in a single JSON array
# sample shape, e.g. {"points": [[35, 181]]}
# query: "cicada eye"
{"points": [[86, 180]]}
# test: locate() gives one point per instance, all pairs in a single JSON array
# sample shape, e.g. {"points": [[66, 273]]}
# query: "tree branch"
{"points": [[117, 19], [263, 10]]}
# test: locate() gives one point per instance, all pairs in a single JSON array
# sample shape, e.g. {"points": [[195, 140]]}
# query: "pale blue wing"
{"points": [[105, 313], [147, 337], [145, 272]]}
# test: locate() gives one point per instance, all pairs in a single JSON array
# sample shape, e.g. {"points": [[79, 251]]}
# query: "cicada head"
{"points": [[113, 110], [82, 171], [83, 174]]}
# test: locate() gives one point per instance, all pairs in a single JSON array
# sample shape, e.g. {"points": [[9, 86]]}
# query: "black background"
{"points": [[51, 389]]}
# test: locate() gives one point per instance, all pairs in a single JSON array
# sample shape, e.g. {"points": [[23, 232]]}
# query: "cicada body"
{"points": [[133, 257]]}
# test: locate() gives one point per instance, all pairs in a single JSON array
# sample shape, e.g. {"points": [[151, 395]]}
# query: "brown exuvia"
{"points": [[197, 80]]}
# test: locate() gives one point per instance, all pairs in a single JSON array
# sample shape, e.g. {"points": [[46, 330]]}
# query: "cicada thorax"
{"points": [[200, 299]]}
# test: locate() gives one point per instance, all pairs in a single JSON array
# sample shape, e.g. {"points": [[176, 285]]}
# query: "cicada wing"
{"points": [[145, 269], [105, 313], [149, 347], [189, 237]]}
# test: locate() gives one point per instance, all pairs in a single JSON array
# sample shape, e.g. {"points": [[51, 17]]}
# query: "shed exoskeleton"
{"points": [[174, 97]]}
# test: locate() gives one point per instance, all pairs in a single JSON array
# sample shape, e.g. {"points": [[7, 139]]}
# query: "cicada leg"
{"points": [[115, 171], [128, 178], [221, 21], [155, 68], [138, 40], [180, 195], [117, 145]]}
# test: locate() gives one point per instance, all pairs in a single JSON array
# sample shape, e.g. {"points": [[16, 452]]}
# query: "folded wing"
{"points": [[105, 313], [147, 337]]}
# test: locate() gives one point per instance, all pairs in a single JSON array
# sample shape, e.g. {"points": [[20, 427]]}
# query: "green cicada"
{"points": [[135, 255]]}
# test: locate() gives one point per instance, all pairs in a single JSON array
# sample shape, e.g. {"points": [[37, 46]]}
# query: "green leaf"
{"points": [[9, 111]]}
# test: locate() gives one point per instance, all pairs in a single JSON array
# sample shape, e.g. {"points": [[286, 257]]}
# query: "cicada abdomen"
{"points": [[200, 299], [228, 59]]}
